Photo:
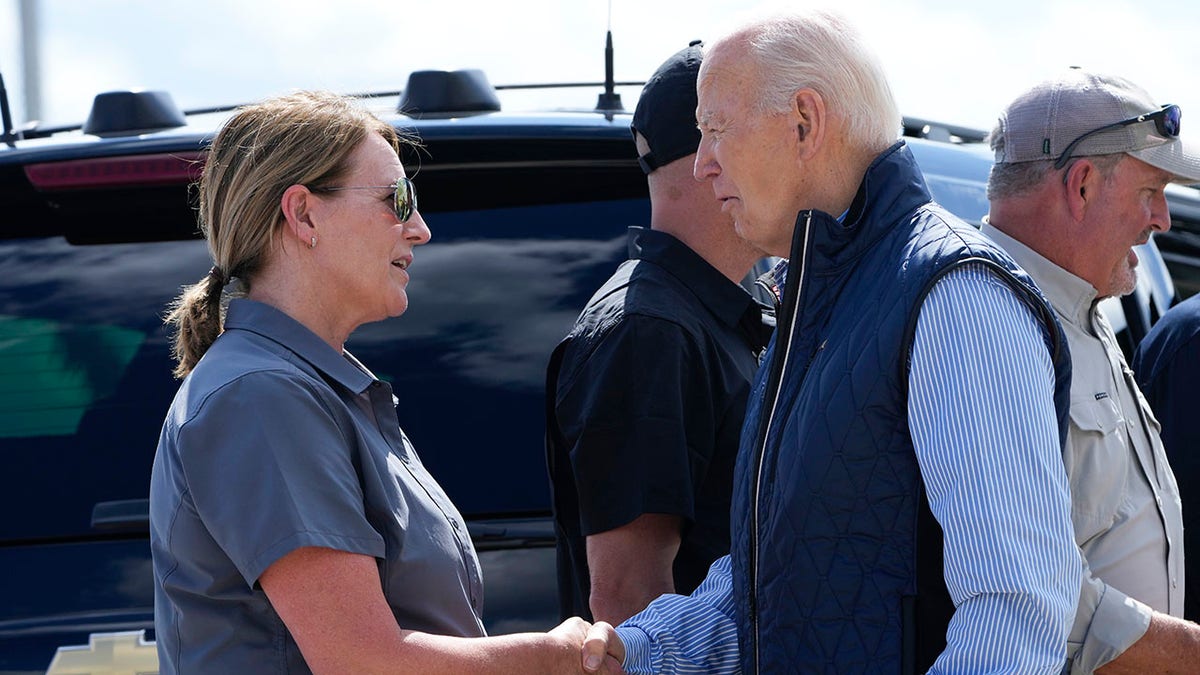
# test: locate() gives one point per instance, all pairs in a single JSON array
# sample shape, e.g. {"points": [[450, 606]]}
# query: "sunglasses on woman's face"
{"points": [[404, 195]]}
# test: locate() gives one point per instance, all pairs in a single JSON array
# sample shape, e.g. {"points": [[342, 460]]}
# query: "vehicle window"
{"points": [[964, 198], [83, 389], [490, 298], [85, 366], [52, 372]]}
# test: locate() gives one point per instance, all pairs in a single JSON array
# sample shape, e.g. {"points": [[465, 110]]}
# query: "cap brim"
{"points": [[1174, 157]]}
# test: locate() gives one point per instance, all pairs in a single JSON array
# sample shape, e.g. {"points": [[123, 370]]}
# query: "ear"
{"points": [[810, 120], [1080, 187], [297, 204]]}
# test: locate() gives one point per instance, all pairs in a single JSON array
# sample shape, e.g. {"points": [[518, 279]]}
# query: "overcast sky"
{"points": [[956, 61]]}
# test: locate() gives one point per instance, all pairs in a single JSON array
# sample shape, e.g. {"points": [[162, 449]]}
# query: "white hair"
{"points": [[822, 51]]}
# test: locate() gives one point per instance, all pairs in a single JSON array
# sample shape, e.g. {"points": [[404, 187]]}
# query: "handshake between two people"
{"points": [[600, 650]]}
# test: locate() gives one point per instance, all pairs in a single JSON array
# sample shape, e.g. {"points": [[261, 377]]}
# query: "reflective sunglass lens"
{"points": [[405, 199], [1171, 120]]}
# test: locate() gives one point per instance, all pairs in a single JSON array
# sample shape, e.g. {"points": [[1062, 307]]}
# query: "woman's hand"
{"points": [[594, 648], [332, 603]]}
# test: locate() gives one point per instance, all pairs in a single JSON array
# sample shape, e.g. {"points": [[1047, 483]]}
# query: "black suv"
{"points": [[528, 214]]}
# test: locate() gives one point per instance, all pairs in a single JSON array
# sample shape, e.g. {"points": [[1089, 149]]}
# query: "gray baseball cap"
{"points": [[1076, 107]]}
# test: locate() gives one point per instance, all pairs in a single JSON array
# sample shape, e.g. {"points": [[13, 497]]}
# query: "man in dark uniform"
{"points": [[646, 395], [1167, 365]]}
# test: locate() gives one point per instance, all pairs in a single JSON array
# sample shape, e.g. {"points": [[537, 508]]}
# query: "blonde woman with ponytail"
{"points": [[293, 526]]}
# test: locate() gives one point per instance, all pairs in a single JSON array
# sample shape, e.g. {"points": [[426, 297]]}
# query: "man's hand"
{"points": [[603, 651]]}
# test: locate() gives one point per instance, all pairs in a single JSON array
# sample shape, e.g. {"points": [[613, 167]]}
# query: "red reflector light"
{"points": [[133, 171]]}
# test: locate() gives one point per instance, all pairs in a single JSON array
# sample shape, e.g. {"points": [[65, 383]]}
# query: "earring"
{"points": [[312, 243]]}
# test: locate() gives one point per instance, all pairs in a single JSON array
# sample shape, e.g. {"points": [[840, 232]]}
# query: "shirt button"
{"points": [[1174, 583]]}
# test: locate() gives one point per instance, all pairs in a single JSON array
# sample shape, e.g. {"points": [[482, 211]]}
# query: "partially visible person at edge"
{"points": [[900, 502], [1081, 163], [293, 527], [648, 391], [1167, 366]]}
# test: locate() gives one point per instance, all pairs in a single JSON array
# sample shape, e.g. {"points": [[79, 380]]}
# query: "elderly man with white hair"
{"points": [[900, 501]]}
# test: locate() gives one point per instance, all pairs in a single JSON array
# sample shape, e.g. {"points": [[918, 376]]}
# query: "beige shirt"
{"points": [[1125, 502]]}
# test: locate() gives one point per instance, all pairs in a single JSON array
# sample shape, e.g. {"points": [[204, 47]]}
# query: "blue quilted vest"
{"points": [[837, 560]]}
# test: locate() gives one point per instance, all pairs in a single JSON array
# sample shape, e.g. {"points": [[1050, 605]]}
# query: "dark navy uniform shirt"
{"points": [[276, 442], [646, 400], [1167, 367]]}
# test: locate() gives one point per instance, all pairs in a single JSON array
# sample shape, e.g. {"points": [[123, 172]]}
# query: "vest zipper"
{"points": [[787, 323]]}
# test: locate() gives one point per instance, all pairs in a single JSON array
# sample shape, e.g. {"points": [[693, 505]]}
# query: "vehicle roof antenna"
{"points": [[609, 101], [7, 136]]}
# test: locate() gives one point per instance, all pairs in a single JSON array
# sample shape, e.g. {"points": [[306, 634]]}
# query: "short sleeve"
{"points": [[270, 470], [631, 417]]}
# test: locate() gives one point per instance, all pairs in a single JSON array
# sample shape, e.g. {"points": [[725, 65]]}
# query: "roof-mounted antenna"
{"points": [[609, 101], [7, 136]]}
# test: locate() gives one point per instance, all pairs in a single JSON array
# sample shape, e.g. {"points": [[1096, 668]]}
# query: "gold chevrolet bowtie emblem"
{"points": [[125, 653]]}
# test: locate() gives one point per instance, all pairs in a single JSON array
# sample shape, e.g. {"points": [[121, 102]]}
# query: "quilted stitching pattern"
{"points": [[840, 486]]}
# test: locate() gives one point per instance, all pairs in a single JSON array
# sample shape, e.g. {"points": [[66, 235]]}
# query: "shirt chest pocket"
{"points": [[1098, 461]]}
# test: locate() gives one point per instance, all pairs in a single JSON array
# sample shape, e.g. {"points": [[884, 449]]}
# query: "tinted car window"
{"points": [[491, 296], [84, 361]]}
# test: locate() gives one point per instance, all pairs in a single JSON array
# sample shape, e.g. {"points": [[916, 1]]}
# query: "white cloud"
{"points": [[953, 61]]}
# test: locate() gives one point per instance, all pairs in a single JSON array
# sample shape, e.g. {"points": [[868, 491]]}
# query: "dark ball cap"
{"points": [[666, 111]]}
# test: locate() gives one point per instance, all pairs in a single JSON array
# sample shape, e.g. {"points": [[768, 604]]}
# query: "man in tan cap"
{"points": [[1081, 164]]}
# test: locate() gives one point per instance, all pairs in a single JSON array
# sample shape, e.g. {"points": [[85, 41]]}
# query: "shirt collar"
{"points": [[1071, 296], [273, 324], [728, 301]]}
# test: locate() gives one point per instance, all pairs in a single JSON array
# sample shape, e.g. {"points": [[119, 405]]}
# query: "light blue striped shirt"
{"points": [[985, 431]]}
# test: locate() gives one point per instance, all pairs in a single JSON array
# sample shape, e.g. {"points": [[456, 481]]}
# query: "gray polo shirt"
{"points": [[276, 442]]}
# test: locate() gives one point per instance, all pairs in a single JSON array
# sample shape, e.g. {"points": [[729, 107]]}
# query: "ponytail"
{"points": [[197, 316]]}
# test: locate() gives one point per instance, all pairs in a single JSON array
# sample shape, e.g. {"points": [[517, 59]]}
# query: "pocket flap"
{"points": [[1100, 415]]}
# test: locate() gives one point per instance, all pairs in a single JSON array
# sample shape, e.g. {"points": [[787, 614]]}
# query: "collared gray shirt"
{"points": [[276, 442], [1125, 502]]}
